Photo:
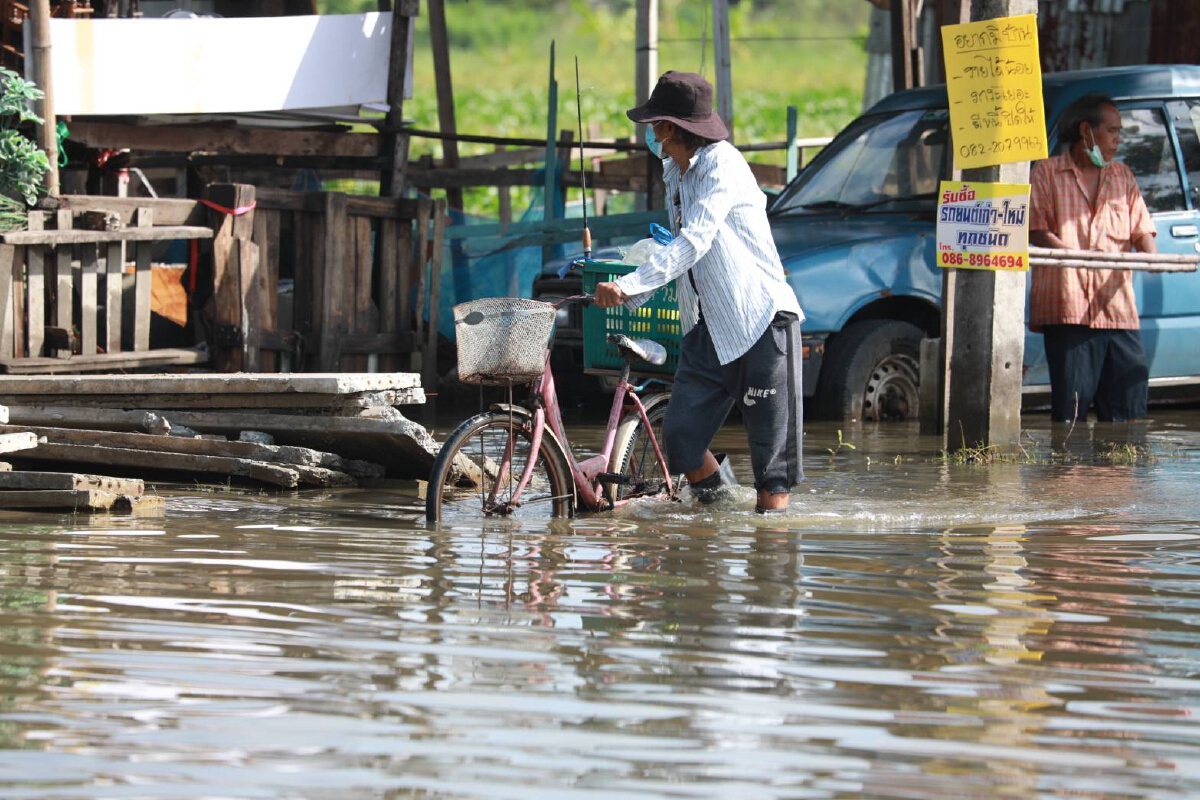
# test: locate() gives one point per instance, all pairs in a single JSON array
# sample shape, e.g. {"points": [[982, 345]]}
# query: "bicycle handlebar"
{"points": [[576, 298]]}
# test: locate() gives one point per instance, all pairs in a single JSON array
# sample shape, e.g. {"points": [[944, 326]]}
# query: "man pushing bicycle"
{"points": [[741, 320]]}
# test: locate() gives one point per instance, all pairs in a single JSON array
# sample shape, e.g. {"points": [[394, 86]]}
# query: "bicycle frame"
{"points": [[543, 403]]}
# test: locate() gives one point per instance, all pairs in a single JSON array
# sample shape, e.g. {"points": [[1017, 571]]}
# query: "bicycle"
{"points": [[515, 459]]}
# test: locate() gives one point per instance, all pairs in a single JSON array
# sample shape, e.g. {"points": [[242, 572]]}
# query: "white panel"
{"points": [[204, 66]]}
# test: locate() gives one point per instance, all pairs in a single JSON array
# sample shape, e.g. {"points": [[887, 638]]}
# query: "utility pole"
{"points": [[984, 315], [724, 63], [646, 77], [39, 13]]}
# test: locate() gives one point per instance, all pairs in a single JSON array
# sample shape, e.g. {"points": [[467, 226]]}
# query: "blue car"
{"points": [[856, 233]]}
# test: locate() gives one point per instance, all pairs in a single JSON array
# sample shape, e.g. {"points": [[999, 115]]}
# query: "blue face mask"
{"points": [[651, 143]]}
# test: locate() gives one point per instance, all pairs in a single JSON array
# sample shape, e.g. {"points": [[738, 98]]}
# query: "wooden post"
{"points": [[143, 281], [337, 282], [394, 142], [8, 260], [234, 269], [64, 284], [903, 40], [440, 43], [39, 15], [35, 288], [429, 373], [984, 318], [793, 153], [723, 60], [550, 187]]}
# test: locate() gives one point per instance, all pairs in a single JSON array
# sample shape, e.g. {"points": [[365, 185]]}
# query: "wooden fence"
{"points": [[365, 269], [43, 272]]}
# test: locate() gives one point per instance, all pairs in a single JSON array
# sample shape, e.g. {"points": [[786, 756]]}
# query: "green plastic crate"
{"points": [[657, 319]]}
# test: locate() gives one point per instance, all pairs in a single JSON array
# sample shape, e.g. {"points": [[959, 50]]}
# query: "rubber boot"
{"points": [[717, 486]]}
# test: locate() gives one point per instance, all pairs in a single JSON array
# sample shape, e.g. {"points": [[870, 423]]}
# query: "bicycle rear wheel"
{"points": [[478, 468], [633, 455]]}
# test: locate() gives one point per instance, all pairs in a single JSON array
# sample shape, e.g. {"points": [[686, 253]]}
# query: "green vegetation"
{"points": [[806, 53], [22, 164]]}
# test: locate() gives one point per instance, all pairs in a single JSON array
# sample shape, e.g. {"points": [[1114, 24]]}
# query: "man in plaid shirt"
{"points": [[1083, 200]]}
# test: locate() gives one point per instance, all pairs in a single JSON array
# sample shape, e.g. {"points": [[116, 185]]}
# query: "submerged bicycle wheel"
{"points": [[633, 455], [477, 471]]}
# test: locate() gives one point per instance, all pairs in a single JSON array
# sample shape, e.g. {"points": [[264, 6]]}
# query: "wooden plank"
{"points": [[167, 211], [234, 139], [18, 296], [88, 274], [161, 233], [336, 295], [279, 454], [71, 499], [8, 259], [405, 448], [424, 211], [303, 232], [114, 267], [162, 357], [404, 269], [200, 402], [366, 317], [228, 300], [274, 474], [64, 282], [142, 286], [70, 481], [251, 298], [356, 205], [389, 285], [332, 383], [429, 359], [14, 442], [266, 237], [35, 287]]}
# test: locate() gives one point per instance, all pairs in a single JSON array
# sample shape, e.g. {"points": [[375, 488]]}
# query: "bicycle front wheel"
{"points": [[633, 456], [478, 469]]}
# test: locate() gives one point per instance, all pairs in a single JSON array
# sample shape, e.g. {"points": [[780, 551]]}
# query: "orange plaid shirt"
{"points": [[1057, 203]]}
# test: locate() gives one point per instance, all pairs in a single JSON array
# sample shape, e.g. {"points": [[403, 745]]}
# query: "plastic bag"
{"points": [[640, 252]]}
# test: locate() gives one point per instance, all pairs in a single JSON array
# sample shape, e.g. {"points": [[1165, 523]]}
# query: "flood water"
{"points": [[912, 628]]}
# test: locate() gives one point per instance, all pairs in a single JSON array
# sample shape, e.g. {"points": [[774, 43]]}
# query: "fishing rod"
{"points": [[587, 234]]}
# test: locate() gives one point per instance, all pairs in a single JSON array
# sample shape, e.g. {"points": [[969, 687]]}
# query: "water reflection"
{"points": [[913, 628]]}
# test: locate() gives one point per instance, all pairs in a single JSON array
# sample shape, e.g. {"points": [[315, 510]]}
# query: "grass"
{"points": [[803, 53]]}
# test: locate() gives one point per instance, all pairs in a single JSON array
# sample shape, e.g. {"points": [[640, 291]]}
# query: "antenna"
{"points": [[587, 234]]}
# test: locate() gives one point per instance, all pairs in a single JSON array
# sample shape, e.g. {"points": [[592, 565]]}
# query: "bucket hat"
{"points": [[684, 98]]}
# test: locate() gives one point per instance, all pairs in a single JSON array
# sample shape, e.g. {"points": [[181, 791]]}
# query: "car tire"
{"points": [[871, 373]]}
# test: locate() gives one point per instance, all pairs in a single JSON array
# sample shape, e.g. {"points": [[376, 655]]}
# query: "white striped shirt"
{"points": [[726, 242]]}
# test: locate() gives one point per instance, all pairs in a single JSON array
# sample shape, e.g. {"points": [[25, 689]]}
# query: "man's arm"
{"points": [[1046, 239], [1146, 243]]}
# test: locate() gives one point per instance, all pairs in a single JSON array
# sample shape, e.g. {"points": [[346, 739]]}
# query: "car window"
{"points": [[1187, 126], [1146, 149], [877, 159]]}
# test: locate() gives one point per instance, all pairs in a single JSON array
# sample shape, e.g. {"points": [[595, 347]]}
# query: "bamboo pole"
{"points": [[39, 15], [1060, 254]]}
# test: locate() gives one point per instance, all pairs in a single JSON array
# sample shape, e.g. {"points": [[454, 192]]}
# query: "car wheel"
{"points": [[871, 372]]}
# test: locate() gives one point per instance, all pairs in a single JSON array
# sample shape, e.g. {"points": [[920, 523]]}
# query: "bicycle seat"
{"points": [[644, 349]]}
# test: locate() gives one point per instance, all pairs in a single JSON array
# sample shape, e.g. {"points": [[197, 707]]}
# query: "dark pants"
{"points": [[765, 383], [1096, 364]]}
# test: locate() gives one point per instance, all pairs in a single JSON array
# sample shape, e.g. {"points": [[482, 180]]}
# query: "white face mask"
{"points": [[1094, 154]]}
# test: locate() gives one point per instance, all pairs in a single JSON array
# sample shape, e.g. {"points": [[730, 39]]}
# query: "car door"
{"points": [[1157, 139]]}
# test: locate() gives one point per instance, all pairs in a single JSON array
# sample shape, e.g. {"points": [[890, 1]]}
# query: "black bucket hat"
{"points": [[684, 98]]}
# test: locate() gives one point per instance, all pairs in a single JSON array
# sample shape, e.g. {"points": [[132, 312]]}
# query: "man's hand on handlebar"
{"points": [[609, 295]]}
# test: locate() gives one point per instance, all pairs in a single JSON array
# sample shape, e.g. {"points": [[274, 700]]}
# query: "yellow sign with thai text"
{"points": [[994, 82], [983, 226]]}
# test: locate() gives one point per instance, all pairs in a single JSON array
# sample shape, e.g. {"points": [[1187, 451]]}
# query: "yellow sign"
{"points": [[983, 226], [994, 81]]}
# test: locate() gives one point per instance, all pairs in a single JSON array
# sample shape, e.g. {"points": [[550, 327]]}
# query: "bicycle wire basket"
{"points": [[502, 340]]}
